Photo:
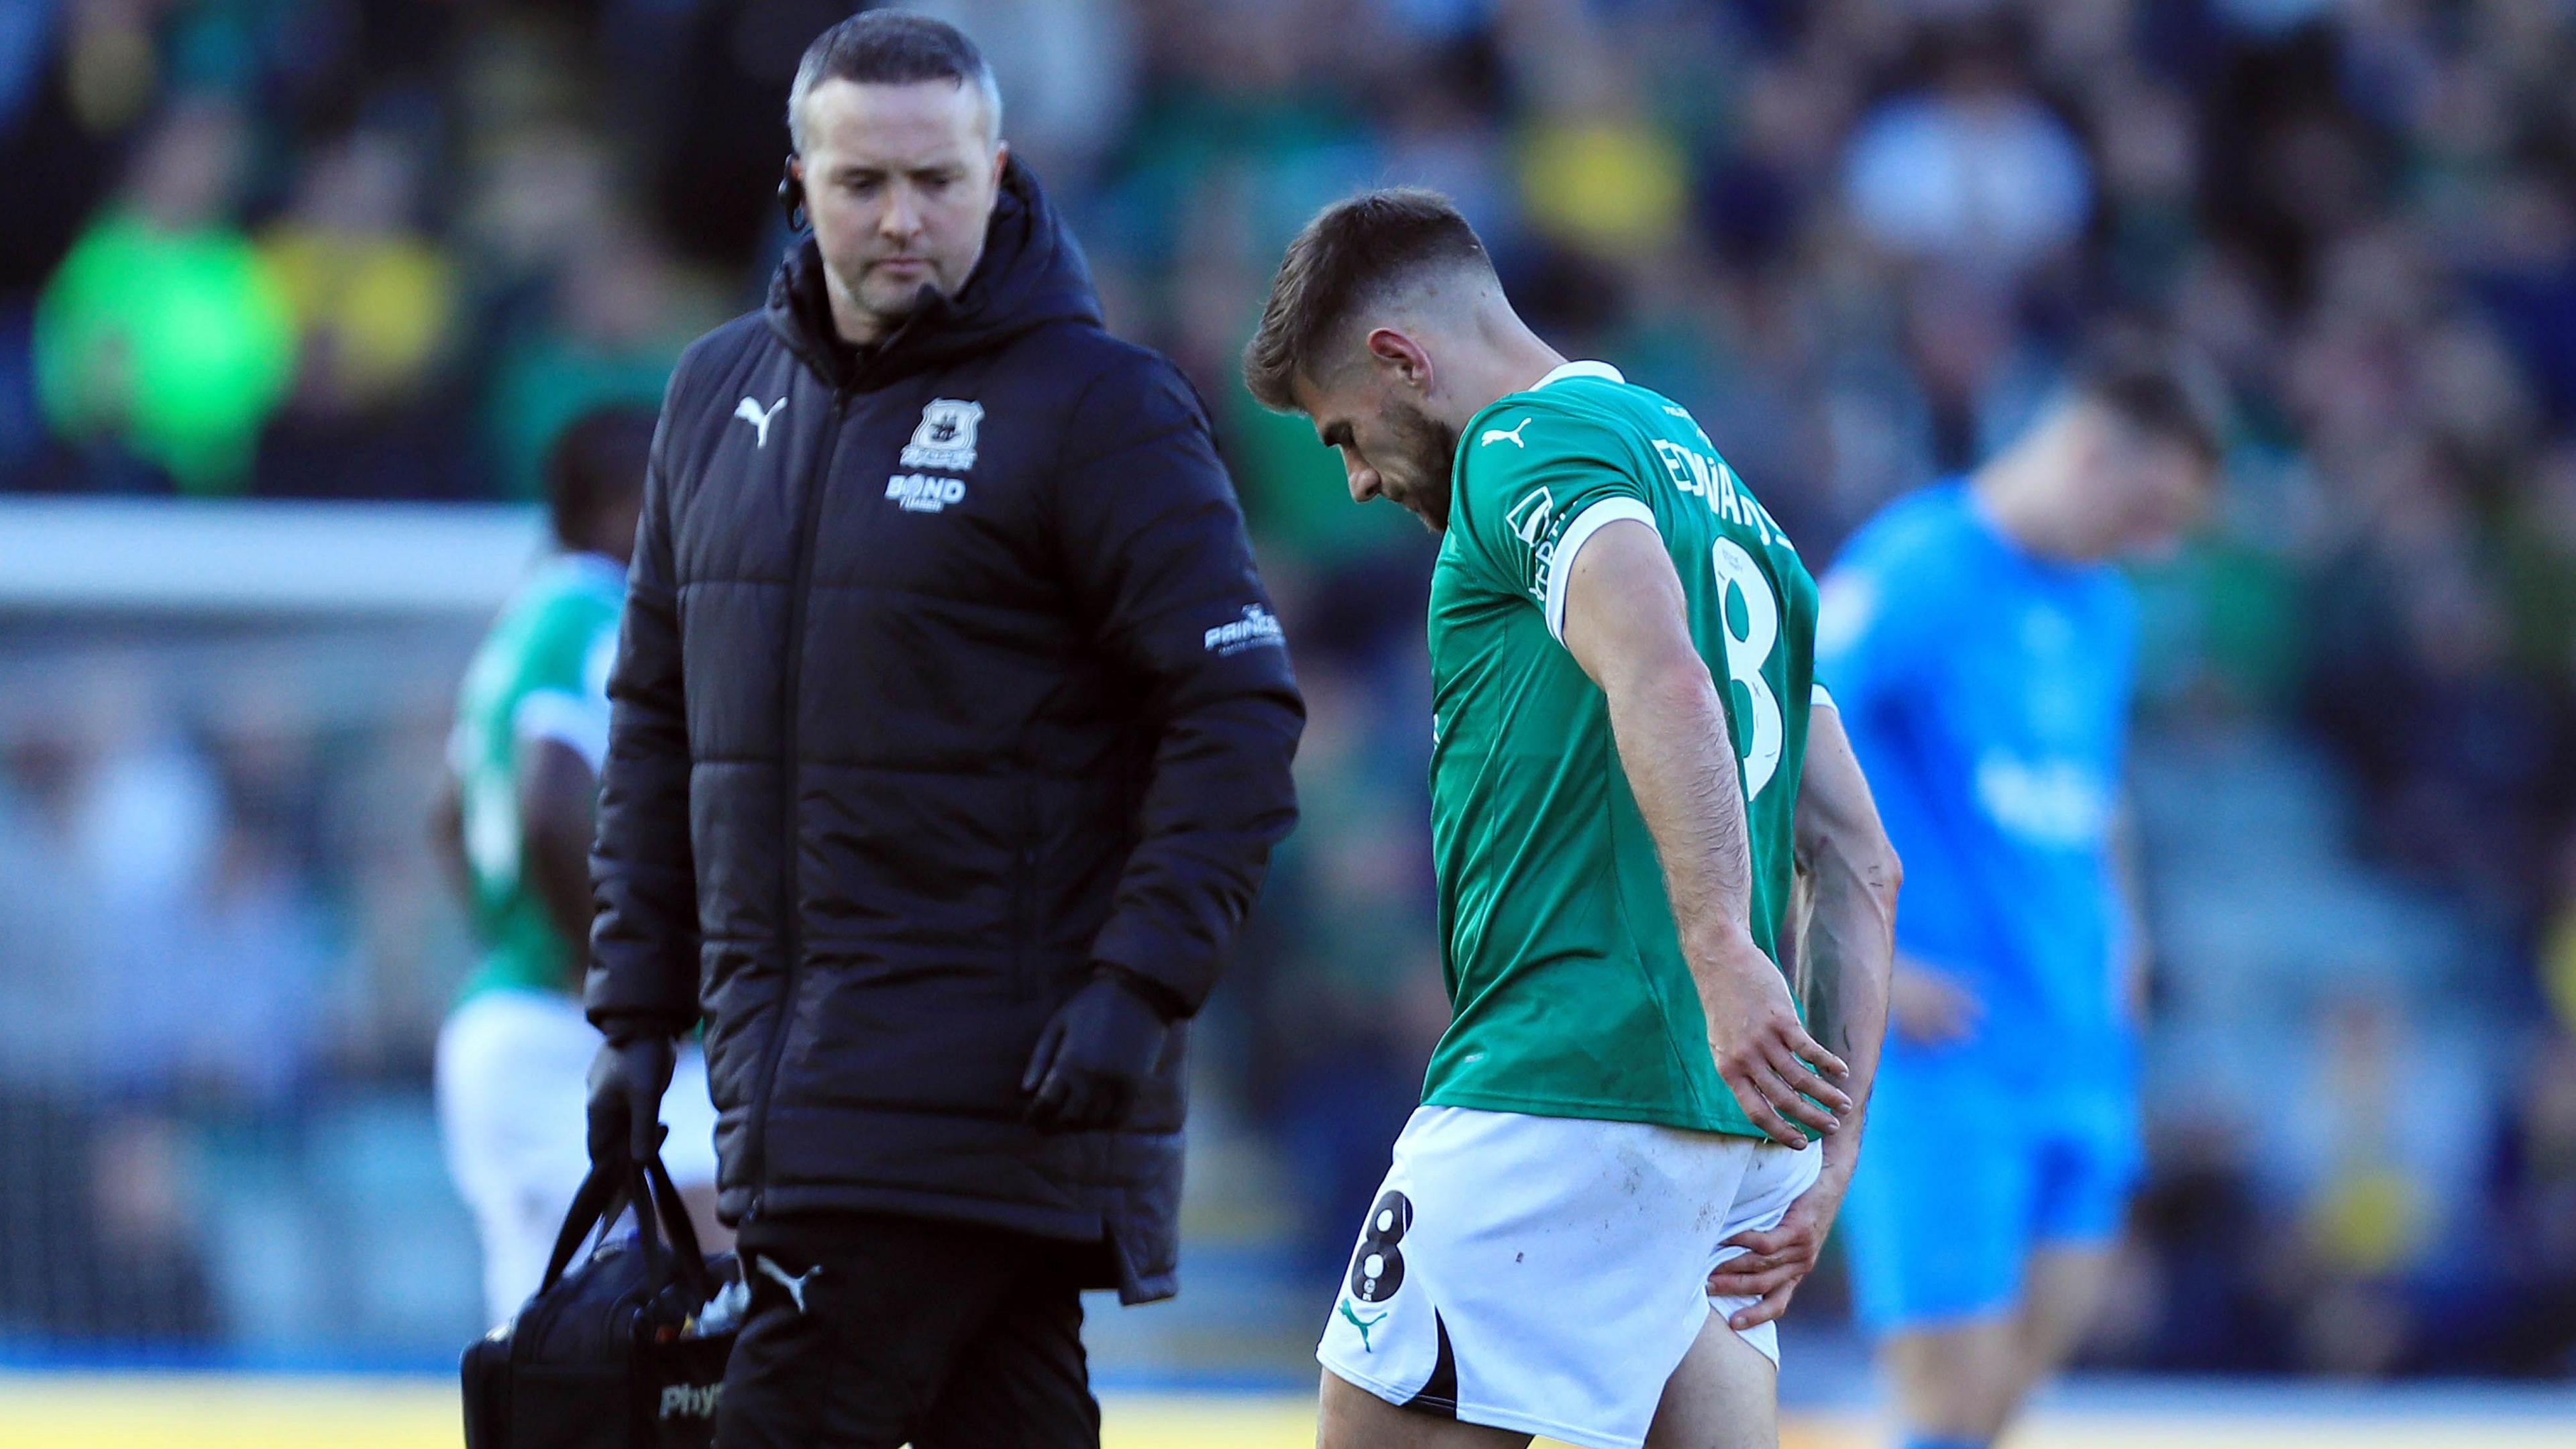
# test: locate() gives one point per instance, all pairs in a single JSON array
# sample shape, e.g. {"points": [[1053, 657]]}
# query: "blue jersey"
{"points": [[1986, 691]]}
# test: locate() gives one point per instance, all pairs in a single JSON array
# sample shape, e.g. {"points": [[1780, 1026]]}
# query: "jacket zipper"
{"points": [[800, 585]]}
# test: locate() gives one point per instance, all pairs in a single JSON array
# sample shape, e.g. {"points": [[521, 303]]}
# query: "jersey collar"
{"points": [[1563, 371]]}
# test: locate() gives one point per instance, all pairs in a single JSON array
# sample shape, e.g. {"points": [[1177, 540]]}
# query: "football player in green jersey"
{"points": [[1630, 1145], [531, 724]]}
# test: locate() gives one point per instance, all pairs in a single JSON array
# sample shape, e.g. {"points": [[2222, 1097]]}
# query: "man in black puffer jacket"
{"points": [[952, 733]]}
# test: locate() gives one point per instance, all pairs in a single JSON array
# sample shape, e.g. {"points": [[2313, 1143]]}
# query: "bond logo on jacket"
{"points": [[925, 492]]}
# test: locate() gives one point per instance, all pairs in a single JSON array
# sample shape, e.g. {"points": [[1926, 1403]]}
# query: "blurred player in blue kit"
{"points": [[1979, 639]]}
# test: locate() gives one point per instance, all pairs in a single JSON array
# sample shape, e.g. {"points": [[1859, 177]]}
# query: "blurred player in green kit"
{"points": [[1630, 1146], [531, 726]]}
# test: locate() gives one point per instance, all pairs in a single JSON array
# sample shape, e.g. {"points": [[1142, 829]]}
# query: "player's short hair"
{"points": [[2157, 387], [892, 48], [1354, 250], [597, 462]]}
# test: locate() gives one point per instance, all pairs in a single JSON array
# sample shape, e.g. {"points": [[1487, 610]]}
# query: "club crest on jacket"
{"points": [[945, 437]]}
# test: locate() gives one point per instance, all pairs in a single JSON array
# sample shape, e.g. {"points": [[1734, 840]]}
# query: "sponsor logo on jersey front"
{"points": [[1511, 435], [2046, 802], [1256, 627], [925, 492], [945, 437]]}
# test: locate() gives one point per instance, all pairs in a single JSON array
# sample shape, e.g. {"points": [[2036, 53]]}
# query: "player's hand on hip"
{"points": [[1778, 1073], [1774, 1263], [627, 1080], [1930, 1007]]}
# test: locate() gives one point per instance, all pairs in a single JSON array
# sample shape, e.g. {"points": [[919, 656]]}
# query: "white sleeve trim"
{"points": [[559, 715], [1817, 697], [1560, 566]]}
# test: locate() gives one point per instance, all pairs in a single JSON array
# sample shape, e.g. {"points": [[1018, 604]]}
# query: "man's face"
{"points": [[1390, 448], [2153, 490], [900, 181]]}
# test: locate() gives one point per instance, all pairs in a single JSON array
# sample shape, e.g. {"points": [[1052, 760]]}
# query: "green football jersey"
{"points": [[541, 674], [1569, 994]]}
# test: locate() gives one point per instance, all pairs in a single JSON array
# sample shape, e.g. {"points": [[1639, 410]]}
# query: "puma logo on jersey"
{"points": [[1513, 433], [795, 1286], [750, 412], [1363, 1325]]}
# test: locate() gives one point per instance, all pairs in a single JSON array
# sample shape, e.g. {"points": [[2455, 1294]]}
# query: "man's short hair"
{"points": [[1354, 250], [2156, 387], [891, 48], [596, 463]]}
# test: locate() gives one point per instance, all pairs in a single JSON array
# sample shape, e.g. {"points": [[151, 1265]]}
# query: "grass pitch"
{"points": [[250, 1411]]}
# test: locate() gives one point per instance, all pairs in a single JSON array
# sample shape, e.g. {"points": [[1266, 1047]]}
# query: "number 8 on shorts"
{"points": [[1377, 1264]]}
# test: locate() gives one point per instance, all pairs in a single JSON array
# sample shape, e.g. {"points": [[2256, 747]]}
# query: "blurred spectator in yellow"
{"points": [[372, 297], [376, 306], [162, 331], [1597, 176]]}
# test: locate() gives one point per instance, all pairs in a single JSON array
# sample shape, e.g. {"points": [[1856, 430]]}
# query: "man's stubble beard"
{"points": [[1431, 447], [891, 318]]}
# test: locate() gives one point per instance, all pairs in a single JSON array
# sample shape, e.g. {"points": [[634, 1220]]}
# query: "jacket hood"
{"points": [[1031, 273]]}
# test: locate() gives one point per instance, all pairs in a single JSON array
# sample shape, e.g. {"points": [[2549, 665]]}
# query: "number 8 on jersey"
{"points": [[1748, 650]]}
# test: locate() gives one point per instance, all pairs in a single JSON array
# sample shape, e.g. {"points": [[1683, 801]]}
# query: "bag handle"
{"points": [[592, 1206], [658, 1212], [653, 1189]]}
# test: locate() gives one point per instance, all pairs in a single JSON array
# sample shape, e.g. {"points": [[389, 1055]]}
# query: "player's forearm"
{"points": [[1675, 750], [1850, 942], [556, 790], [559, 875], [1850, 946]]}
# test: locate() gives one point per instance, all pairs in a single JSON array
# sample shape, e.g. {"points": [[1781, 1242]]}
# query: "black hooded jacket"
{"points": [[945, 675]]}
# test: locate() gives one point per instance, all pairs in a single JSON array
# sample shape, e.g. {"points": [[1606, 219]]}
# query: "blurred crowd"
{"points": [[384, 248]]}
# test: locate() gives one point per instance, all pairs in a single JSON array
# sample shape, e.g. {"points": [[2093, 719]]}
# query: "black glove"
{"points": [[1096, 1051], [626, 1083]]}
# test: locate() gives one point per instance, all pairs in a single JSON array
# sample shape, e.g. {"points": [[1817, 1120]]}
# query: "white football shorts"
{"points": [[513, 1083], [1547, 1274]]}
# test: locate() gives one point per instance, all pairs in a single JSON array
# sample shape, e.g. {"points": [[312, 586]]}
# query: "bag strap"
{"points": [[663, 1230], [637, 1191], [688, 1259], [592, 1206], [660, 1218]]}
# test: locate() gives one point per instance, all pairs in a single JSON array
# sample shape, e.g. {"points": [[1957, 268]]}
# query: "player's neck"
{"points": [[1507, 358]]}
